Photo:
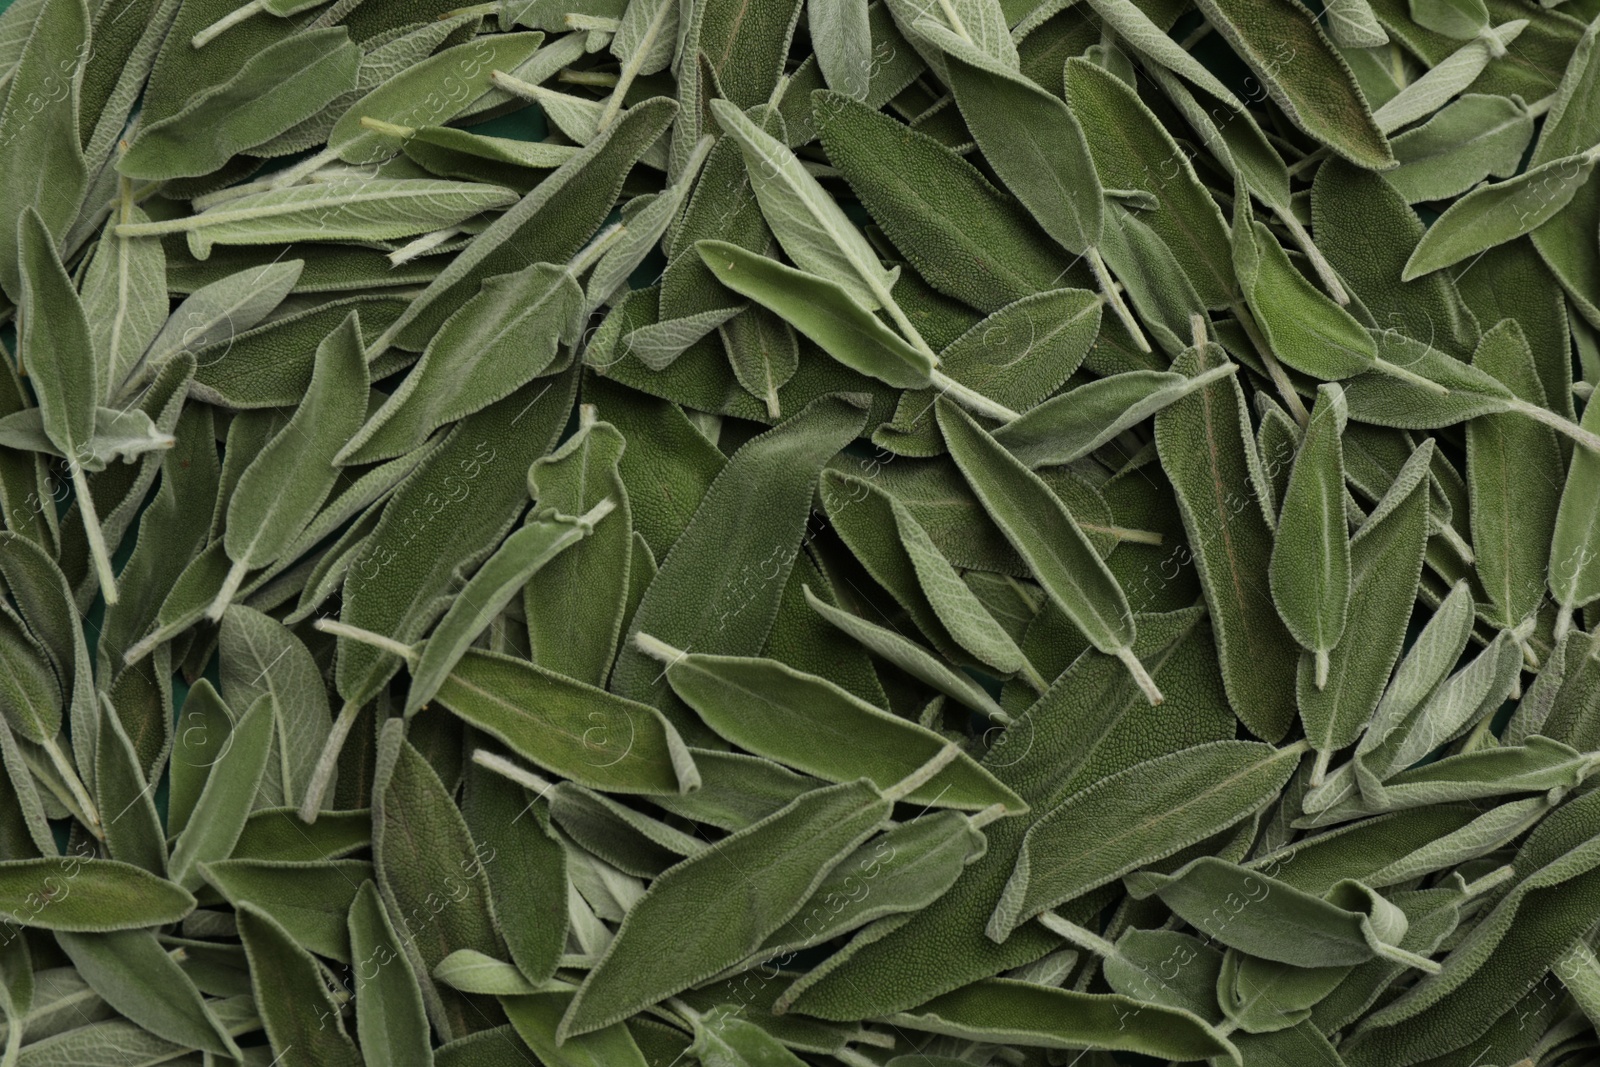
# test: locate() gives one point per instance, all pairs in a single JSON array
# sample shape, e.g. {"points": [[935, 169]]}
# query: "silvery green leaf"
{"points": [[577, 117], [500, 578], [42, 169], [1459, 19], [225, 802], [809, 224], [660, 343], [843, 40], [262, 657], [1072, 424], [296, 1009], [375, 209], [1352, 24], [982, 23], [134, 974], [390, 1019], [643, 230], [1447, 78], [118, 434], [1152, 42], [1499, 212], [285, 484], [1466, 141], [497, 342], [281, 85], [221, 309], [430, 93], [55, 348], [125, 299]]}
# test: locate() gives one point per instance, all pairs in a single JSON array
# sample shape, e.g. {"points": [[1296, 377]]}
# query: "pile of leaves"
{"points": [[624, 533]]}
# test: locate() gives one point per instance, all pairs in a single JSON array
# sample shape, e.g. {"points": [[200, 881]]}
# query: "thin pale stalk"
{"points": [[1394, 370], [300, 170], [230, 586], [69, 776], [1563, 622], [1497, 877], [1319, 770], [1319, 262], [489, 761], [421, 245], [327, 762], [1307, 161], [587, 77], [1077, 935], [1035, 680], [91, 528], [1570, 429], [225, 23], [987, 816], [630, 70], [1123, 533], [851, 1058], [367, 637], [959, 27], [513, 85], [1110, 290], [1146, 684], [873, 1039], [923, 774], [971, 399], [1448, 532], [1275, 369], [597, 248]]}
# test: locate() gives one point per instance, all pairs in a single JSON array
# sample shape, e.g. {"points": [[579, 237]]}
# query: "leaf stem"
{"points": [[1498, 876], [657, 649], [971, 398], [225, 23], [956, 25], [1563, 622], [91, 528], [1394, 370], [1146, 683], [327, 762], [1124, 533], [988, 815], [507, 769], [1077, 935], [1275, 369], [1321, 656], [1109, 289], [406, 652], [306, 166], [630, 69], [421, 245], [1319, 262], [1586, 438], [922, 775], [1319, 769], [597, 248], [1035, 680], [1451, 537], [230, 586], [69, 776], [1310, 159]]}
